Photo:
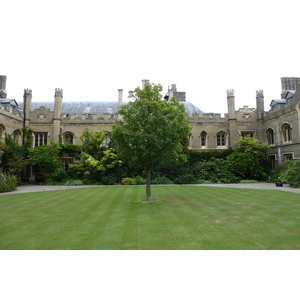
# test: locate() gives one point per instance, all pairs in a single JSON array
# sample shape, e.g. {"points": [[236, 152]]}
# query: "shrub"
{"points": [[139, 180], [186, 179], [8, 183], [276, 173], [128, 181], [292, 174], [216, 171], [109, 179], [161, 180]]}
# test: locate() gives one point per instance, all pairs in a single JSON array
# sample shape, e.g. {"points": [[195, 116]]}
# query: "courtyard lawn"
{"points": [[188, 217]]}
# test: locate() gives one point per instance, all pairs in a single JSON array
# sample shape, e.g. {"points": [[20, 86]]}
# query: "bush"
{"points": [[292, 174], [8, 183], [109, 179], [186, 179], [276, 173], [216, 171], [128, 181], [139, 180], [161, 180]]}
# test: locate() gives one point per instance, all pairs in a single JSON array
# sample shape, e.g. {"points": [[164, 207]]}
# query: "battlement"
{"points": [[230, 93], [85, 116], [208, 117], [27, 91], [58, 92], [259, 93]]}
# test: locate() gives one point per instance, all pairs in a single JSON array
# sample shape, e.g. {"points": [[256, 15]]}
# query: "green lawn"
{"points": [[188, 217]]}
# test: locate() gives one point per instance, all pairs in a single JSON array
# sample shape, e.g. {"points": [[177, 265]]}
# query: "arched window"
{"points": [[221, 139], [106, 139], [270, 136], [2, 131], [17, 136], [286, 133], [68, 138], [203, 137]]}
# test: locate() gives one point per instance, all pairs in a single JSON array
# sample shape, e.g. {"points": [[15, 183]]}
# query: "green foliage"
{"points": [[253, 146], [292, 173], [70, 150], [13, 158], [245, 165], [109, 179], [276, 173], [152, 131], [94, 159], [27, 137], [197, 156], [46, 159], [139, 180], [128, 181], [8, 182], [247, 160], [161, 180], [216, 171], [89, 163], [91, 142]]}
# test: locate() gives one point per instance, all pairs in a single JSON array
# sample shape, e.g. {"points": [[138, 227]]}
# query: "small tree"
{"points": [[292, 173], [94, 158], [47, 160], [152, 131], [246, 161]]}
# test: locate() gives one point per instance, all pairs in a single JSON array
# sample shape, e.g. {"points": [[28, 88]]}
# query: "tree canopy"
{"points": [[152, 131]]}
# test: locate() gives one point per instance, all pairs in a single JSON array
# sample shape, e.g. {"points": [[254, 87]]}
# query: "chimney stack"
{"points": [[3, 87], [144, 81], [120, 98]]}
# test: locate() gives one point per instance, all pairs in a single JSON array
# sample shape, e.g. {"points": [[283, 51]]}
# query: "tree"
{"points": [[94, 158], [152, 131], [248, 158], [13, 158], [47, 160]]}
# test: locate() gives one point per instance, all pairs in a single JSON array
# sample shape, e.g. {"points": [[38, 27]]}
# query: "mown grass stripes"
{"points": [[188, 217]]}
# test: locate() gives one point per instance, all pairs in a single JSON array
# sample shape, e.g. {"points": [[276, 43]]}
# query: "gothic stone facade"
{"points": [[65, 121]]}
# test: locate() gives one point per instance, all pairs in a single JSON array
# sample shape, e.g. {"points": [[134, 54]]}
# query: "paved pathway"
{"points": [[260, 185]]}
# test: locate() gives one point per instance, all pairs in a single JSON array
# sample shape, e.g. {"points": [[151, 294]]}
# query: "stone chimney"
{"points": [[260, 104], [144, 81], [231, 104], [57, 114], [27, 99], [120, 98], [180, 96], [3, 87]]}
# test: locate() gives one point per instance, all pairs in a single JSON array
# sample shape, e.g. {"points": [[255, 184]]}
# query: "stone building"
{"points": [[65, 121]]}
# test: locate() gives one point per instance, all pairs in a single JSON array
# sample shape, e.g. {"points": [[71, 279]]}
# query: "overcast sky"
{"points": [[91, 49]]}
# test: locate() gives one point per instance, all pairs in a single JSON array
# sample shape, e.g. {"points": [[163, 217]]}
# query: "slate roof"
{"points": [[99, 107]]}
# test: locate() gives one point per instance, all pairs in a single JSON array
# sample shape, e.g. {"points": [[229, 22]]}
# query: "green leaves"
{"points": [[152, 132]]}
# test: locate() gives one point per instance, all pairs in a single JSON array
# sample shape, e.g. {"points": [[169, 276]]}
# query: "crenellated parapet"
{"points": [[212, 117], [259, 93], [86, 117], [230, 93], [58, 92], [27, 92]]}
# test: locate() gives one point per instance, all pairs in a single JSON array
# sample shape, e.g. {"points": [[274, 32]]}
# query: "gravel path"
{"points": [[260, 185]]}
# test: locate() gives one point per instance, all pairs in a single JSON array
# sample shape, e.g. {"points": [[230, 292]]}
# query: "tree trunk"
{"points": [[148, 186]]}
